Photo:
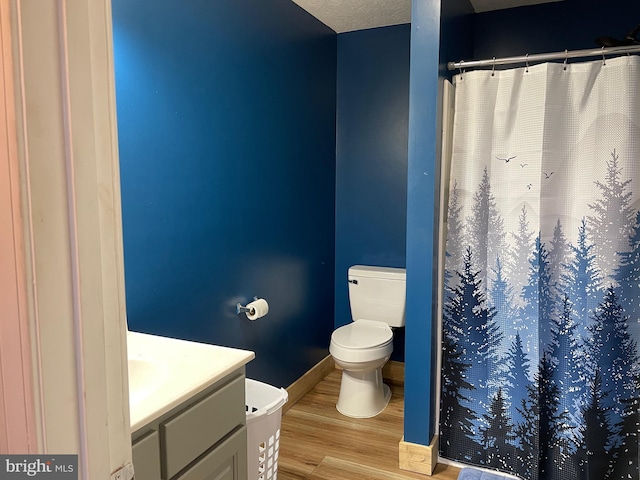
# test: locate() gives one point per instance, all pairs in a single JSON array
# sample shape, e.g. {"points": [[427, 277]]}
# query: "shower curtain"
{"points": [[540, 368]]}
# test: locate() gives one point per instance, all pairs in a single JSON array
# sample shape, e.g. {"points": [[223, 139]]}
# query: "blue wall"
{"points": [[551, 27], [439, 33], [226, 124], [371, 176], [419, 418], [457, 34]]}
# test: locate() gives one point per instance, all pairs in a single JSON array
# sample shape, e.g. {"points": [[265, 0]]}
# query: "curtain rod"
{"points": [[543, 57]]}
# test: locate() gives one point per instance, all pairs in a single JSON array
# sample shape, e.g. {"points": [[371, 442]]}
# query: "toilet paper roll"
{"points": [[259, 308]]}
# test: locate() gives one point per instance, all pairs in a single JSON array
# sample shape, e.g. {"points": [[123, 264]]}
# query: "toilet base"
{"points": [[363, 394]]}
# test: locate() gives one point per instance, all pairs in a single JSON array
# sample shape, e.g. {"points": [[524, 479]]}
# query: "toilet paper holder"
{"points": [[240, 309]]}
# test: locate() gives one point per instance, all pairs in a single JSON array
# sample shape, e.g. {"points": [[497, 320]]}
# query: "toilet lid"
{"points": [[362, 334]]}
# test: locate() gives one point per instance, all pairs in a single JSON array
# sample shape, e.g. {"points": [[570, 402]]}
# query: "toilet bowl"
{"points": [[361, 349]]}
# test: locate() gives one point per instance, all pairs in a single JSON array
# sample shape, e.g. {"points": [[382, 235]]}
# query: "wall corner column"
{"points": [[422, 234]]}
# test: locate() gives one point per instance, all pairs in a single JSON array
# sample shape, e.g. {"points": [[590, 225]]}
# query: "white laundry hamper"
{"points": [[264, 415]]}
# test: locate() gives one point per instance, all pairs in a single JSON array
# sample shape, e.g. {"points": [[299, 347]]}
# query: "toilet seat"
{"points": [[361, 342], [362, 334]]}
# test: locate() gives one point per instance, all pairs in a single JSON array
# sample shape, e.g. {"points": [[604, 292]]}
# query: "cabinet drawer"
{"points": [[146, 457], [227, 461], [190, 433]]}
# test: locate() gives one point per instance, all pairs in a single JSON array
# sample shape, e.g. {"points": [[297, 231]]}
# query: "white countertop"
{"points": [[164, 372]]}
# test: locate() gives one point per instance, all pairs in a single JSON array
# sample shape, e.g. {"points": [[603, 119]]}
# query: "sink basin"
{"points": [[145, 376]]}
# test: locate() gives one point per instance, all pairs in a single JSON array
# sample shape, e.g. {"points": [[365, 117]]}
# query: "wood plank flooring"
{"points": [[318, 443]]}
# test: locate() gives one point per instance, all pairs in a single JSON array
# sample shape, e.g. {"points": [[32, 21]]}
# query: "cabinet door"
{"points": [[146, 457], [190, 433], [227, 461]]}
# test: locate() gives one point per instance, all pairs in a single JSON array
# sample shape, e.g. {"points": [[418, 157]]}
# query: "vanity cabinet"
{"points": [[203, 438]]}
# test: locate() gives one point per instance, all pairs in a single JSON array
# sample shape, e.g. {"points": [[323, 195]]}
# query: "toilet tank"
{"points": [[378, 293]]}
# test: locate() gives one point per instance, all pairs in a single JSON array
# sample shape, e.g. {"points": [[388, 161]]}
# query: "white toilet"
{"points": [[377, 297]]}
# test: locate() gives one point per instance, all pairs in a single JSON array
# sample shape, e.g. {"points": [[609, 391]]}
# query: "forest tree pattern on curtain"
{"points": [[540, 362]]}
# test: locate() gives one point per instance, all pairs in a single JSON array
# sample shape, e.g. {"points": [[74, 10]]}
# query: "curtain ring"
{"points": [[493, 68], [566, 57], [460, 69], [526, 60], [604, 60]]}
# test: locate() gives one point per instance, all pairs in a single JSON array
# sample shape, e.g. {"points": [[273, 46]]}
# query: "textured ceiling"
{"points": [[348, 15]]}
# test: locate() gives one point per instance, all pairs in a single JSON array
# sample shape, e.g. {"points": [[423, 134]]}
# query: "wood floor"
{"points": [[318, 443]]}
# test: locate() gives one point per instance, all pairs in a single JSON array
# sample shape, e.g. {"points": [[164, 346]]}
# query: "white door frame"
{"points": [[19, 433], [68, 315]]}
